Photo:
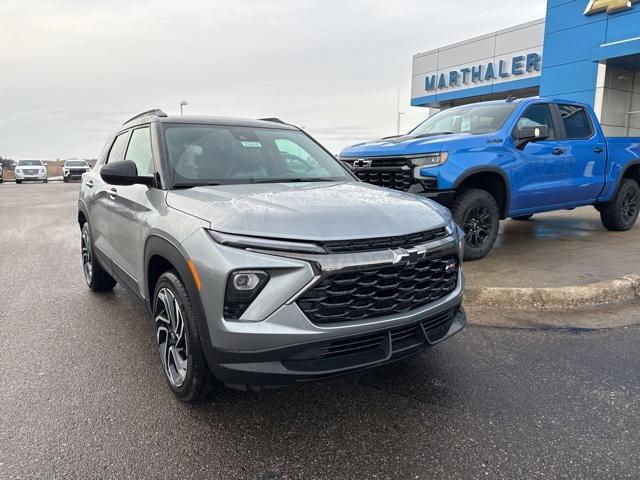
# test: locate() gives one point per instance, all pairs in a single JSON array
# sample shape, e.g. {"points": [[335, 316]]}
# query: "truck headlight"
{"points": [[243, 286], [431, 160]]}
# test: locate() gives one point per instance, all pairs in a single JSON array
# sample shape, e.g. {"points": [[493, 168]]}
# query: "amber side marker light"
{"points": [[194, 272]]}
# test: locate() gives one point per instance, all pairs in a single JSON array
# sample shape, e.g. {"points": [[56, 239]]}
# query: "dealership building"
{"points": [[584, 50]]}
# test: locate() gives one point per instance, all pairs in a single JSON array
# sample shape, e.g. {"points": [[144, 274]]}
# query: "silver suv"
{"points": [[261, 258]]}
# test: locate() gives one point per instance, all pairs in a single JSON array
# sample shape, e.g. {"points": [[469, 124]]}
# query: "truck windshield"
{"points": [[29, 163], [212, 154], [473, 119], [75, 163]]}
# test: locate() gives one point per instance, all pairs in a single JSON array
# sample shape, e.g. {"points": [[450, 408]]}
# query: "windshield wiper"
{"points": [[294, 180], [192, 185]]}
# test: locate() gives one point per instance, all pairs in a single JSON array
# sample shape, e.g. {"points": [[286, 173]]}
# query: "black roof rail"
{"points": [[273, 119], [156, 112]]}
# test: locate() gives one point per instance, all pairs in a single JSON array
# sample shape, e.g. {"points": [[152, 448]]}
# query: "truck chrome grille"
{"points": [[366, 294]]}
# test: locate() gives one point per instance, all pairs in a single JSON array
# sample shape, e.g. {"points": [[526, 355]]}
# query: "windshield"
{"points": [[29, 163], [473, 119], [209, 154], [75, 163]]}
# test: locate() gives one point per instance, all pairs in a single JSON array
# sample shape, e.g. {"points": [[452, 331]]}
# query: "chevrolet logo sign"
{"points": [[362, 163], [609, 6]]}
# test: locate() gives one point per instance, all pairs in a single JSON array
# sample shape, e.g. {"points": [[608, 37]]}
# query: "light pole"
{"points": [[183, 103], [399, 113]]}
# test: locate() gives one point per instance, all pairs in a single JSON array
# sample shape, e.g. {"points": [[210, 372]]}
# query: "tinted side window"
{"points": [[139, 151], [576, 121], [536, 115], [119, 146]]}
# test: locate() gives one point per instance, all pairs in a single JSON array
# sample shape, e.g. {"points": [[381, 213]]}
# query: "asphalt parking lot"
{"points": [[83, 395]]}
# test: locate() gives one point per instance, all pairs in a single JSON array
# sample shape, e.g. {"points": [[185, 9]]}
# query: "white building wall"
{"points": [[618, 94]]}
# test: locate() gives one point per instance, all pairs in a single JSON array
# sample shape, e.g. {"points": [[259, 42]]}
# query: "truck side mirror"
{"points": [[529, 134]]}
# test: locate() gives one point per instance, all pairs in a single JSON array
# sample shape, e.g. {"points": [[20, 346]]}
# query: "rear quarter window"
{"points": [[576, 122]]}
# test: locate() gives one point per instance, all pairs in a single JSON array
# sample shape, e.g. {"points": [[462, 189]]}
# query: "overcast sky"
{"points": [[71, 71]]}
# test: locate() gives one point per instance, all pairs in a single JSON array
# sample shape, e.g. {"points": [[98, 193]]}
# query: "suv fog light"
{"points": [[245, 280], [243, 286]]}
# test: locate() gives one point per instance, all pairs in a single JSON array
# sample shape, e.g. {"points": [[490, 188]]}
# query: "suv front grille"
{"points": [[361, 295], [382, 243]]}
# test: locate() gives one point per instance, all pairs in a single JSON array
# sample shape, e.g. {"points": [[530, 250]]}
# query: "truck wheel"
{"points": [[622, 211], [97, 279], [522, 218], [179, 346], [476, 211], [18, 182]]}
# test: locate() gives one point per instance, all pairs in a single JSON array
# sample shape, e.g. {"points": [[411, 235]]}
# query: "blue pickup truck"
{"points": [[508, 159]]}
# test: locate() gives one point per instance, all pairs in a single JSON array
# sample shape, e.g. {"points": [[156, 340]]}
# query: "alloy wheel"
{"points": [[170, 335], [630, 205], [87, 256], [477, 225]]}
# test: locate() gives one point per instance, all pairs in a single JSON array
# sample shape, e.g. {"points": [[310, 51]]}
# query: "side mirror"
{"points": [[46, 164], [124, 172], [535, 133]]}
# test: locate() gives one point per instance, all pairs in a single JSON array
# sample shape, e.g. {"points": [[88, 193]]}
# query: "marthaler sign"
{"points": [[519, 65]]}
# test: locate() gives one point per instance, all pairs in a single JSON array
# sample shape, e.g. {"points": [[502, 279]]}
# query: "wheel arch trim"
{"points": [[489, 169], [159, 245]]}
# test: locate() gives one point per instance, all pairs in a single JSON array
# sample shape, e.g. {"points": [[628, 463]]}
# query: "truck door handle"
{"points": [[90, 183], [113, 193], [557, 151], [598, 150]]}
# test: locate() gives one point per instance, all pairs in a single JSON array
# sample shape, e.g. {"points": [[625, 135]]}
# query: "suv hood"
{"points": [[405, 145], [310, 211]]}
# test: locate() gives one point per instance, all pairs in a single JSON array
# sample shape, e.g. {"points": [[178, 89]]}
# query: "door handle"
{"points": [[557, 151], [598, 150], [113, 193], [89, 183]]}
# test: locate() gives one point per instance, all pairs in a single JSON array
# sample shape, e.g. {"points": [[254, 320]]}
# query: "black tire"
{"points": [[18, 182], [522, 218], [65, 180], [476, 211], [96, 277], [621, 213], [194, 382], [45, 180]]}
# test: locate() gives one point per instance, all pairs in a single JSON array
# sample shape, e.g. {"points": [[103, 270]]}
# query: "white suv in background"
{"points": [[31, 170]]}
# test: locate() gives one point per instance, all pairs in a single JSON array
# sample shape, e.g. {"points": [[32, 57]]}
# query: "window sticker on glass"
{"points": [[251, 144]]}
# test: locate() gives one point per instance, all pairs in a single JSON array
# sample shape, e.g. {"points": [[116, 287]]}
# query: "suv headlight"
{"points": [[260, 243], [243, 286], [430, 160]]}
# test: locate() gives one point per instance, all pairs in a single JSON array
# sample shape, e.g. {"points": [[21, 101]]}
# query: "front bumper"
{"points": [[265, 346], [73, 174], [28, 177], [443, 197], [339, 356]]}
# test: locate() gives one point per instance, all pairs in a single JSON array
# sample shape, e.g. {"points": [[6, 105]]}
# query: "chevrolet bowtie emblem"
{"points": [[400, 255], [609, 6], [362, 163]]}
